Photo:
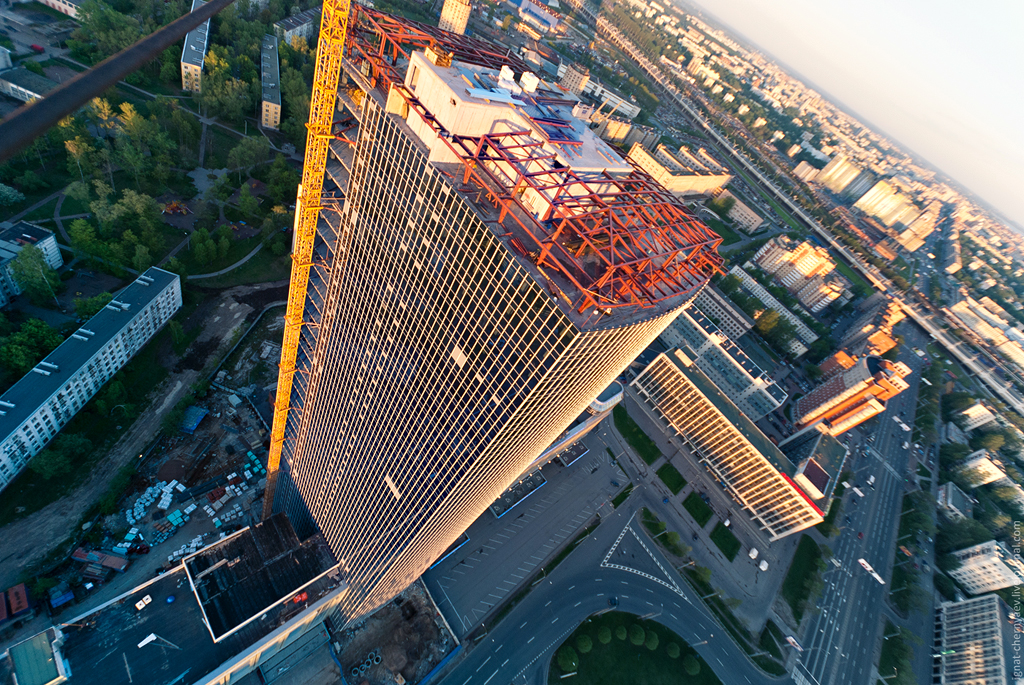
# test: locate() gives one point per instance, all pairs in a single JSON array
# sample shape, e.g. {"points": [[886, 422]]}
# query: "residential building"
{"points": [[611, 101], [803, 331], [193, 54], [975, 642], [845, 178], [762, 480], [22, 84], [720, 359], [954, 503], [455, 16], [888, 205], [250, 604], [624, 133], [305, 25], [914, 235], [974, 417], [5, 59], [680, 172], [793, 264], [13, 237], [270, 109], [723, 312], [951, 260], [818, 292], [871, 333], [36, 407], [805, 172], [982, 468], [474, 333], [952, 433], [575, 78], [852, 397], [987, 567], [68, 7], [745, 218]]}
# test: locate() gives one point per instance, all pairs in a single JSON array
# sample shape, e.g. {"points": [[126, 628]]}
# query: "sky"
{"points": [[942, 79]]}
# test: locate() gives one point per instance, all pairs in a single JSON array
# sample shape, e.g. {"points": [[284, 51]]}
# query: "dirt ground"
{"points": [[28, 540], [405, 636]]}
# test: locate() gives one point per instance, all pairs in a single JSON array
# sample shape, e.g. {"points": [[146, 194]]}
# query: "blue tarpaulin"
{"points": [[193, 416]]}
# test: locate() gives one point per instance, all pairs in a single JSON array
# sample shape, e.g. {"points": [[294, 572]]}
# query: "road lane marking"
{"points": [[492, 675], [570, 587], [524, 625], [577, 604], [483, 664], [531, 639], [554, 619], [549, 602]]}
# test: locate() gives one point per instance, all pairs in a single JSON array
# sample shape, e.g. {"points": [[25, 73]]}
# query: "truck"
{"points": [[858, 492], [871, 480]]}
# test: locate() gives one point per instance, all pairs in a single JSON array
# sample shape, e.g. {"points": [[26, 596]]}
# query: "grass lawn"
{"points": [[896, 657], [219, 143], [71, 206], [622, 496], [670, 540], [238, 250], [620, 661], [803, 573], [922, 470], [729, 236], [725, 541], [700, 511], [854, 276], [635, 435], [262, 268], [671, 477], [43, 213]]}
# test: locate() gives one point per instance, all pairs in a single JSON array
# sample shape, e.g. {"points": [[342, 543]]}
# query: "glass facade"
{"points": [[432, 368]]}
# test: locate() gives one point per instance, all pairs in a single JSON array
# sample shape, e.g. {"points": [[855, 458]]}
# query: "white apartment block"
{"points": [[680, 172], [302, 25], [193, 54], [975, 417], [987, 567], [716, 305], [803, 331], [792, 264], [743, 216], [34, 410], [974, 642], [455, 16], [13, 237], [746, 385], [982, 468]]}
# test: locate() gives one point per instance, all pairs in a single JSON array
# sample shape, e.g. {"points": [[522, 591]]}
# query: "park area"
{"points": [[616, 648], [635, 436]]}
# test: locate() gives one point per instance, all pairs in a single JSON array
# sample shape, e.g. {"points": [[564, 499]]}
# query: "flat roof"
{"points": [[738, 355], [271, 70], [194, 51], [823, 452], [102, 647], [296, 20], [37, 386], [15, 236], [34, 662], [30, 81]]}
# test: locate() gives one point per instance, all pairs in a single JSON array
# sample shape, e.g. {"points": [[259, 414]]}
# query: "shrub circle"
{"points": [[691, 665], [636, 635], [568, 660], [604, 636], [672, 649], [584, 643], [652, 641], [620, 632]]}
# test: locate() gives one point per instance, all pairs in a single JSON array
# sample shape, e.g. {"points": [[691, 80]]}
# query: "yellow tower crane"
{"points": [[333, 30]]}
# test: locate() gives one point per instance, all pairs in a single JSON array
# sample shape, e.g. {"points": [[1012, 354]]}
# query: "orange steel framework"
{"points": [[622, 240]]}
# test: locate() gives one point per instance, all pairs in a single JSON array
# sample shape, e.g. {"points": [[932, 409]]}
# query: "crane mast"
{"points": [[329, 50]]}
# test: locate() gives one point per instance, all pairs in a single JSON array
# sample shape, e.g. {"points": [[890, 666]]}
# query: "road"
{"points": [[840, 641], [618, 560]]}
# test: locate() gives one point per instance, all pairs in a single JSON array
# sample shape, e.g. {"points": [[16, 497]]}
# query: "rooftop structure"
{"points": [[22, 84], [954, 502], [193, 54], [35, 408], [723, 312], [14, 237], [743, 382], [760, 477], [502, 266], [680, 172], [974, 642], [270, 110], [871, 333], [914, 235], [853, 396], [455, 16], [224, 612]]}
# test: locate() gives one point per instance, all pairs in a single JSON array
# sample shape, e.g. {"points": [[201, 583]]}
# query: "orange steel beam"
{"points": [[329, 51]]}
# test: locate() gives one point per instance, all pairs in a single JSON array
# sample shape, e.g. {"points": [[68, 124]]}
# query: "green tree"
{"points": [[568, 659], [59, 458], [992, 441], [672, 649], [584, 643], [246, 202], [141, 261], [249, 153], [621, 633], [637, 635], [9, 196], [34, 276], [604, 635], [88, 307], [652, 641], [175, 266], [691, 665], [83, 237]]}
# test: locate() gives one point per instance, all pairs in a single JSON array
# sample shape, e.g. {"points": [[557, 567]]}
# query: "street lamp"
{"points": [[899, 630], [894, 674]]}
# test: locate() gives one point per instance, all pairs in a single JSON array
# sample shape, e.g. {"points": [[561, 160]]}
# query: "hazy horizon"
{"points": [[941, 80]]}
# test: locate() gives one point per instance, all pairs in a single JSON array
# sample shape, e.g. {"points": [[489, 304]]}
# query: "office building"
{"points": [[987, 567], [974, 642], [250, 604], [447, 341], [193, 54], [871, 333], [845, 178], [270, 109], [914, 235], [745, 218], [792, 263], [455, 16], [723, 312], [954, 503], [575, 79], [305, 25], [35, 408], [762, 480], [975, 416], [819, 292], [13, 237], [853, 396], [24, 85], [805, 172], [888, 205], [720, 359], [680, 172]]}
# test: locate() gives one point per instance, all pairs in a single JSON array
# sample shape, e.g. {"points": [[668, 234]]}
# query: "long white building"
{"points": [[987, 567], [34, 410], [974, 642]]}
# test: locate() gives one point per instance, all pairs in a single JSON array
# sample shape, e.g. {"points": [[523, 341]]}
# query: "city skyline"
{"points": [[915, 84]]}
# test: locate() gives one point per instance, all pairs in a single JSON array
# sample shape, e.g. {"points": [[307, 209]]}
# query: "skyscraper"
{"points": [[484, 267]]}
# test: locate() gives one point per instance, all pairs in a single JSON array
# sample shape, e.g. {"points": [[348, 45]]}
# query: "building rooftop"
{"points": [[194, 51], [297, 20], [738, 355], [15, 236], [28, 80], [601, 234], [271, 70], [167, 640], [822, 455], [49, 375]]}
